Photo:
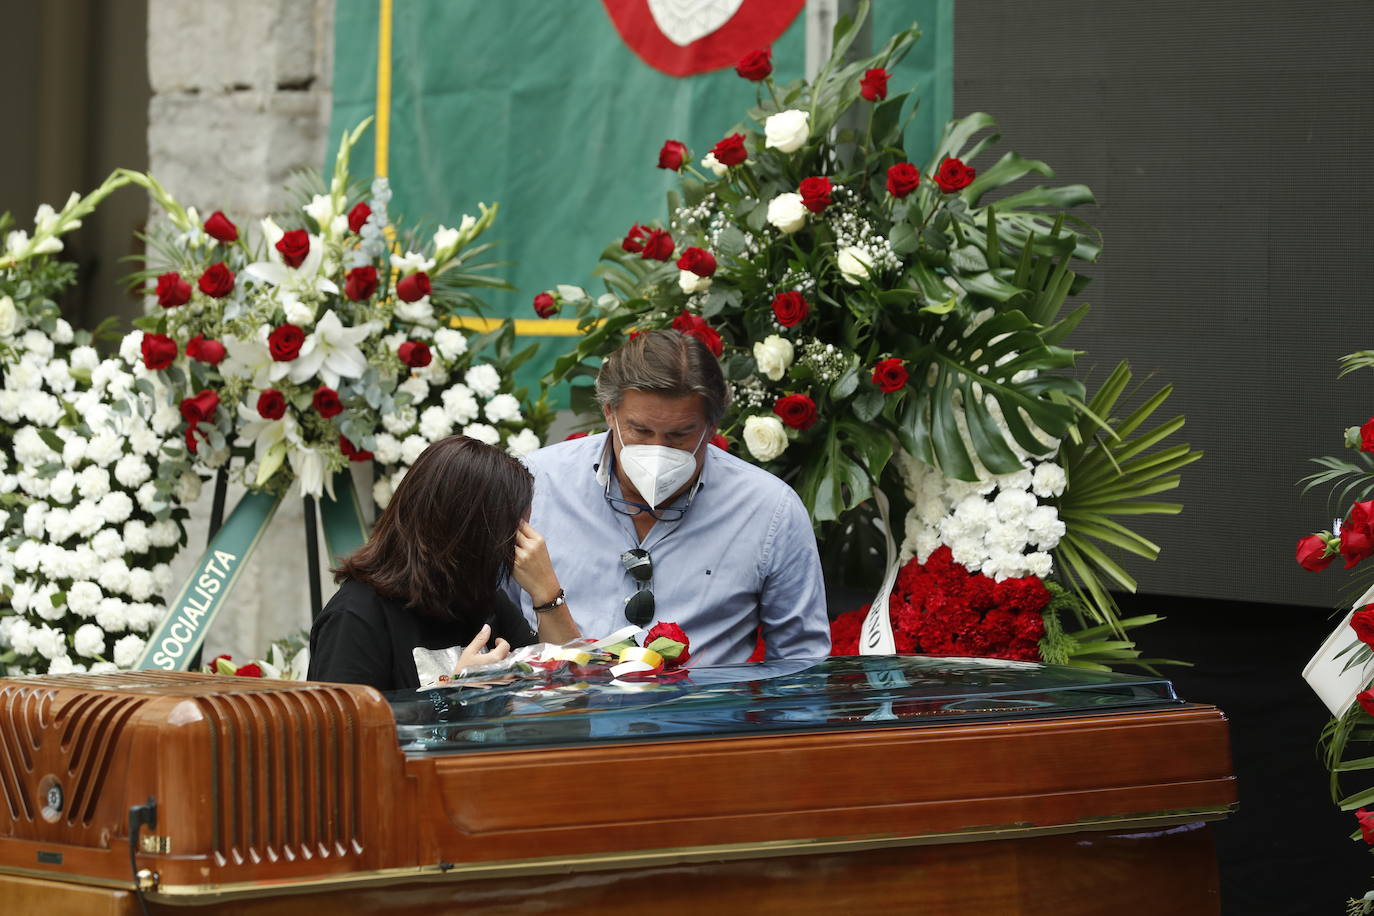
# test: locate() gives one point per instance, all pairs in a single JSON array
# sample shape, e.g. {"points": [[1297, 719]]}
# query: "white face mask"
{"points": [[657, 471]]}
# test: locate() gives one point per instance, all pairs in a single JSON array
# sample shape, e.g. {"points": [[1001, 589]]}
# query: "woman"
{"points": [[430, 575]]}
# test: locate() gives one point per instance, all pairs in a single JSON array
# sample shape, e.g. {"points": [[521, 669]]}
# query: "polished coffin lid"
{"points": [[278, 784]]}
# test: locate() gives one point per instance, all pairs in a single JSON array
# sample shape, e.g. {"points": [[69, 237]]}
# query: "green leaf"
{"points": [[868, 405], [52, 440]]}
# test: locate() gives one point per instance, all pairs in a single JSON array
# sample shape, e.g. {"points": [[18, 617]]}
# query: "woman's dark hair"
{"points": [[447, 538]]}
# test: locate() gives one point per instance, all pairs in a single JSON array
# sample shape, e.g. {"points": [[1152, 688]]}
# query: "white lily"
{"points": [[411, 262], [251, 359], [308, 466], [270, 438], [331, 351], [321, 210]]}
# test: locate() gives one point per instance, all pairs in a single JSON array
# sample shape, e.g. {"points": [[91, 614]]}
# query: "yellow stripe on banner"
{"points": [[524, 327], [383, 124]]}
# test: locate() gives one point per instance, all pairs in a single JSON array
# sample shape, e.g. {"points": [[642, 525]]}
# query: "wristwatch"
{"points": [[558, 601]]}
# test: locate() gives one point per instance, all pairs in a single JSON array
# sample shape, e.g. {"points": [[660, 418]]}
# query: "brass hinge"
{"points": [[156, 844]]}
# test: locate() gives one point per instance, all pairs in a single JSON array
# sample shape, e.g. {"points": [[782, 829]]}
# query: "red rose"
{"points": [[1356, 545], [192, 445], [271, 404], [1366, 701], [326, 402], [672, 155], [1366, 820], [414, 354], [1367, 436], [953, 175], [889, 375], [720, 442], [658, 246], [815, 193], [796, 410], [695, 326], [285, 342], [730, 151], [360, 283], [634, 239], [158, 351], [1362, 622], [252, 669], [358, 216], [756, 65], [699, 261], [674, 632], [217, 281], [874, 84], [902, 179], [294, 246], [200, 408], [790, 308], [572, 436], [209, 352], [220, 228], [172, 290], [545, 306], [352, 452], [414, 287], [1311, 553]]}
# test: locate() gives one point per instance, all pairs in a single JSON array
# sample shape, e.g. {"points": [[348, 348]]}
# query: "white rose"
{"points": [[787, 213], [522, 443], [690, 283], [504, 408], [451, 344], [765, 437], [89, 640], [127, 650], [482, 433], [484, 380], [459, 404], [9, 317], [855, 264], [773, 355], [787, 130]]}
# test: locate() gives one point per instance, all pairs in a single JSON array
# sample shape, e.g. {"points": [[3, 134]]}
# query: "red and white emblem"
{"points": [[683, 37]]}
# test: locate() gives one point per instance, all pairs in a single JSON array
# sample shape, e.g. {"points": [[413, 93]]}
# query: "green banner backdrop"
{"points": [[542, 107]]}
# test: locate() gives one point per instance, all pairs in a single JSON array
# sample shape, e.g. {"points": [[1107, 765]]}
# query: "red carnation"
{"points": [[200, 408], [796, 410], [696, 326], [414, 287], [217, 281], [545, 306], [221, 229], [756, 65], [674, 632], [158, 351], [699, 261], [790, 308], [815, 193], [271, 404], [672, 155], [352, 452], [873, 86], [360, 283], [172, 290], [730, 151], [658, 246], [845, 631], [414, 354], [326, 402], [285, 342], [294, 246], [902, 179], [953, 175], [634, 239], [209, 352], [358, 216], [1311, 553], [889, 375]]}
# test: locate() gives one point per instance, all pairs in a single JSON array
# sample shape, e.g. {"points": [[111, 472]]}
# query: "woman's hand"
{"points": [[476, 652], [533, 569]]}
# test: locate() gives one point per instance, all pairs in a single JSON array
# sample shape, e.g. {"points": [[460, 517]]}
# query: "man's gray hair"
{"points": [[664, 362]]}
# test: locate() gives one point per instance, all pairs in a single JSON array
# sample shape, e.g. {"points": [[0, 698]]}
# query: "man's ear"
{"points": [[607, 415]]}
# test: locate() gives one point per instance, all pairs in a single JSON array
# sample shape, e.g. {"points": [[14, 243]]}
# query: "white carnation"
{"points": [[47, 605], [765, 437], [522, 443], [20, 599], [108, 545], [128, 650], [147, 498], [450, 343], [116, 507], [187, 487], [162, 577], [381, 492], [28, 555], [86, 519], [399, 422], [484, 380], [11, 405], [504, 408], [93, 482], [412, 447], [131, 347], [141, 584], [24, 376], [164, 533], [1049, 480], [58, 523], [416, 387], [434, 425], [459, 404], [421, 311], [62, 332], [58, 376], [34, 519], [1039, 564], [73, 451], [387, 448], [32, 484], [112, 615], [63, 486], [42, 409], [482, 433], [85, 357], [143, 441], [1013, 505], [132, 471], [84, 598], [64, 665], [89, 640], [165, 419], [114, 575], [136, 536], [104, 448]]}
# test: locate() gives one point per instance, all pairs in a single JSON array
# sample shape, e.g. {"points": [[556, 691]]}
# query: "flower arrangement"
{"points": [[895, 326], [287, 659], [92, 473], [324, 343]]}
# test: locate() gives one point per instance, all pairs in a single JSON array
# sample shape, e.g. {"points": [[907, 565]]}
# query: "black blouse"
{"points": [[362, 637]]}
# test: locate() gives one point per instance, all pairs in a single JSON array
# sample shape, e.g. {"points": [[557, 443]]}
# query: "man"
{"points": [[649, 522]]}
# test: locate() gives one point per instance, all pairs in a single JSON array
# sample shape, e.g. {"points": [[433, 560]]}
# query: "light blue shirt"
{"points": [[743, 555]]}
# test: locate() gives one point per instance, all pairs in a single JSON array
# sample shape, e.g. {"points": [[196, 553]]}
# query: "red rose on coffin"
{"points": [[414, 354], [352, 452], [873, 86], [1366, 821], [1362, 622], [221, 229], [796, 410], [672, 155], [172, 291], [252, 669], [902, 179], [210, 352], [285, 341], [720, 442], [294, 246], [326, 402], [1310, 553], [217, 281], [953, 175], [699, 261], [658, 246], [414, 287], [271, 404], [670, 631], [730, 151], [815, 193], [756, 65], [889, 375], [158, 351], [357, 217], [695, 326], [360, 283], [790, 308], [634, 239]]}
